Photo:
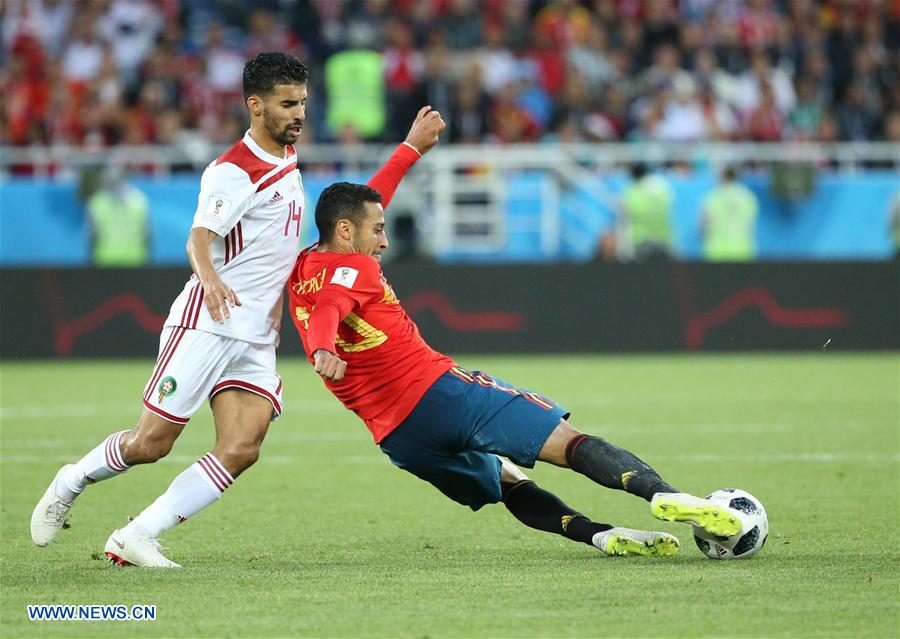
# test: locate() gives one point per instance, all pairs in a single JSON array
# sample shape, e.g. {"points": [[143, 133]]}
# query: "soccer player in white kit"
{"points": [[219, 340]]}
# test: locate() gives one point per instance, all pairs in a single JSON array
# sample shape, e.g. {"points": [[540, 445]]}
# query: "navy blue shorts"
{"points": [[454, 434]]}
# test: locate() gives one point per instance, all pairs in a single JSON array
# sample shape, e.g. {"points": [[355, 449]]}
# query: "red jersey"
{"points": [[344, 304]]}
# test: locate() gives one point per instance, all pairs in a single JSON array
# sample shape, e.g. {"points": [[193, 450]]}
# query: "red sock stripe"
{"points": [[117, 450], [217, 466], [572, 445], [210, 465], [204, 466], [165, 362], [112, 456]]}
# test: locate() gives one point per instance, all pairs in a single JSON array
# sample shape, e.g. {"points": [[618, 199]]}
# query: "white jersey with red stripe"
{"points": [[253, 200]]}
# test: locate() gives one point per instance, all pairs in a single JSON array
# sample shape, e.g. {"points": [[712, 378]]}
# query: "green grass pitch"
{"points": [[325, 538]]}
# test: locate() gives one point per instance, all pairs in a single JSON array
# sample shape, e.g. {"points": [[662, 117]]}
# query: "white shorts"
{"points": [[195, 365]]}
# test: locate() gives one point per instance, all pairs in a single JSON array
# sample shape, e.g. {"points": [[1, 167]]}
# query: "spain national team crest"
{"points": [[167, 387]]}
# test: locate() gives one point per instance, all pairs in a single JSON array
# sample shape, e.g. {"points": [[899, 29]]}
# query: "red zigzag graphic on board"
{"points": [[67, 331], [697, 325]]}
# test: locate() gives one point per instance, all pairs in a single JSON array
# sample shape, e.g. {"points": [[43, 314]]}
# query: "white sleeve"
{"points": [[225, 195]]}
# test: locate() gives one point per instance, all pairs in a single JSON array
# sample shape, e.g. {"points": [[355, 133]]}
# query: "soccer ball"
{"points": [[754, 527]]}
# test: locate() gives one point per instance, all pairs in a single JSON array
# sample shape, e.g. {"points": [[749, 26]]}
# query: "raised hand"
{"points": [[425, 129]]}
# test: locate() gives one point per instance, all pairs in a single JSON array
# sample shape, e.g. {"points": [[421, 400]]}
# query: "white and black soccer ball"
{"points": [[754, 527]]}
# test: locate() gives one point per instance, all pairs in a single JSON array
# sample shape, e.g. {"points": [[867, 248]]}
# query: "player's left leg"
{"points": [[615, 467], [245, 399], [242, 420], [601, 461]]}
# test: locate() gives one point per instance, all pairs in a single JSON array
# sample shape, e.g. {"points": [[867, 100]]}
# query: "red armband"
{"points": [[388, 177]]}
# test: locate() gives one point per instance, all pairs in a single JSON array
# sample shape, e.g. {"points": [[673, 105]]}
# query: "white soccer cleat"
{"points": [[703, 513], [618, 542], [50, 514], [135, 549]]}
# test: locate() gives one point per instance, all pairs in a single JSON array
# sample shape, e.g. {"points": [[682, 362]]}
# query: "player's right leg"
{"points": [[542, 510], [150, 440]]}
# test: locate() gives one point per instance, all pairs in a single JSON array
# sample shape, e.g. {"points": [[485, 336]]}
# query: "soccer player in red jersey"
{"points": [[447, 425]]}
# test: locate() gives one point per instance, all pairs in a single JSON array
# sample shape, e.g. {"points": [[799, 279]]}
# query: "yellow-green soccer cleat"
{"points": [[711, 517], [618, 542]]}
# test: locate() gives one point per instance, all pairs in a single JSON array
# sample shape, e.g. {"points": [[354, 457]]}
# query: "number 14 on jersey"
{"points": [[294, 213]]}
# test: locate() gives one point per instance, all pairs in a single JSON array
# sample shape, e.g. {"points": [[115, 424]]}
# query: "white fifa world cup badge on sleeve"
{"points": [[217, 208], [345, 276]]}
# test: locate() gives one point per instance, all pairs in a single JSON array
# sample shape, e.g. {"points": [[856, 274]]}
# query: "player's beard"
{"points": [[282, 135]]}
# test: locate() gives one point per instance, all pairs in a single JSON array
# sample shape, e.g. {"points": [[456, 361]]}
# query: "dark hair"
{"points": [[263, 72], [342, 201]]}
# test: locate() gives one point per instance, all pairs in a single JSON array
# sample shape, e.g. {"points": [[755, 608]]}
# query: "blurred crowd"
{"points": [[103, 72]]}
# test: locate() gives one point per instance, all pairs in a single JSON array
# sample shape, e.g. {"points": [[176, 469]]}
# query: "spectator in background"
{"points": [[362, 22], [589, 57], [83, 56], [224, 64], [806, 118], [758, 24], [752, 83], [265, 33], [498, 64], [463, 24], [469, 115], [765, 122], [437, 86], [509, 122], [110, 49], [683, 118], [646, 212], [721, 124], [728, 221], [404, 68], [117, 215], [131, 27], [855, 119]]}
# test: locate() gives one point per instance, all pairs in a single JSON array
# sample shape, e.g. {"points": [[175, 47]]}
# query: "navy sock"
{"points": [[614, 467], [541, 509]]}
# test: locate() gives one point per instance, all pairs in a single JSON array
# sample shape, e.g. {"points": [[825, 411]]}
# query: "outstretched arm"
{"points": [[422, 137], [329, 310]]}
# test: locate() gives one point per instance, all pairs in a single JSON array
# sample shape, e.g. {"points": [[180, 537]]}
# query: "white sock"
{"points": [[193, 490], [101, 463]]}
